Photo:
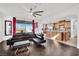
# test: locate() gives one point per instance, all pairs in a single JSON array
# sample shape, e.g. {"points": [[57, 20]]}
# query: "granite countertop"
{"points": [[59, 30]]}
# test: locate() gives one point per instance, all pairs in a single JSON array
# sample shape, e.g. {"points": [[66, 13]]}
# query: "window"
{"points": [[20, 27]]}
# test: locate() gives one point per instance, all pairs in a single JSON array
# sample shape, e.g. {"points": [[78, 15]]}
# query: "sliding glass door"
{"points": [[20, 27]]}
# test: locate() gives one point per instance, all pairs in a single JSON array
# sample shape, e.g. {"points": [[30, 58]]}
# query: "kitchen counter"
{"points": [[63, 35], [59, 30]]}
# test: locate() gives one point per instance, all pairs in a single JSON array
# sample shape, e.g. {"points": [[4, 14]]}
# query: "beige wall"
{"points": [[2, 28], [7, 37], [71, 14]]}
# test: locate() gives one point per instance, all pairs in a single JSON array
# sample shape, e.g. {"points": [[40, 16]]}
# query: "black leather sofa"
{"points": [[38, 39]]}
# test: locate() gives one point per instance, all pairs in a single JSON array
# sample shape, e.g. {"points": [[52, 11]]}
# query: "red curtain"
{"points": [[14, 25], [33, 26]]}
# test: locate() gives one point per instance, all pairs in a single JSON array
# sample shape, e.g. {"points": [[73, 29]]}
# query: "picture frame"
{"points": [[8, 27]]}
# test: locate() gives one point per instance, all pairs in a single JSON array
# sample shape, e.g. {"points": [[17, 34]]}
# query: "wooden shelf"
{"points": [[61, 27]]}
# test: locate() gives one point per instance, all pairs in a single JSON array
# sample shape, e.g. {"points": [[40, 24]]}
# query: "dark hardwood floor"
{"points": [[51, 48]]}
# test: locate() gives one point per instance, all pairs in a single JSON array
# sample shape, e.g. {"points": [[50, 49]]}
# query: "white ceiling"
{"points": [[17, 9]]}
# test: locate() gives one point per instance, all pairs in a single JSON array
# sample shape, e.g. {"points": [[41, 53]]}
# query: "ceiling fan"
{"points": [[34, 13]]}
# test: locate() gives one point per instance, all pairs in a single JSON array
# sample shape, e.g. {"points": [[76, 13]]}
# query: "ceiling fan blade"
{"points": [[38, 14], [34, 15], [38, 11]]}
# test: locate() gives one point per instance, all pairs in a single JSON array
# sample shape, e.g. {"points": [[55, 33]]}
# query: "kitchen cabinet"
{"points": [[62, 28]]}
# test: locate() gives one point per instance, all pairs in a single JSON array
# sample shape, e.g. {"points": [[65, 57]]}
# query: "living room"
{"points": [[34, 29]]}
